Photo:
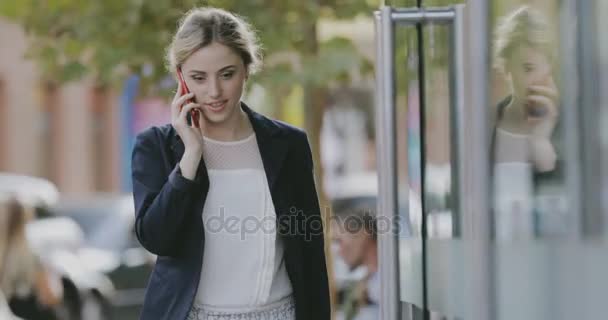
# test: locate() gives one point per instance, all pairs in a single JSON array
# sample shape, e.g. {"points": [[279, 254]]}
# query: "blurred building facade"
{"points": [[78, 135], [69, 134]]}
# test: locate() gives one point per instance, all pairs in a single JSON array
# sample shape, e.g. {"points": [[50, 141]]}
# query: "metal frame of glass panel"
{"points": [[476, 220]]}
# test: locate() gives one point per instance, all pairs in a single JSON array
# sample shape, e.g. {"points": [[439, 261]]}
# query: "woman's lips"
{"points": [[216, 106]]}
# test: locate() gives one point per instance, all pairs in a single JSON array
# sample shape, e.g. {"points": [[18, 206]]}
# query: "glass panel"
{"points": [[596, 262], [408, 172], [439, 207], [545, 266], [529, 162], [444, 248], [529, 189], [602, 43]]}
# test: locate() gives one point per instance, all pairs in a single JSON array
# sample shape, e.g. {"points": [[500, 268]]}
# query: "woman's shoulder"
{"points": [[156, 134], [290, 130], [273, 126], [287, 130]]}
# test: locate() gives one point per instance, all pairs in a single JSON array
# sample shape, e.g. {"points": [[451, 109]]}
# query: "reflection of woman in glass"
{"points": [[527, 118]]}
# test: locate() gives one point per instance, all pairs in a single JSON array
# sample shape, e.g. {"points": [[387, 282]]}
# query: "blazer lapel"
{"points": [[272, 144]]}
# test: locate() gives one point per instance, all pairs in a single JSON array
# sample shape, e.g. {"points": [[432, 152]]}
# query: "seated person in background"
{"points": [[355, 232], [526, 119]]}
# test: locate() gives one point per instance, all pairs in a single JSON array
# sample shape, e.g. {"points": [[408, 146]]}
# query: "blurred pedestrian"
{"points": [[24, 281], [224, 195], [355, 232]]}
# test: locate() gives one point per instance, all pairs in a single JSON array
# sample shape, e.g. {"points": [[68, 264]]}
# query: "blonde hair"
{"points": [[200, 27], [14, 217], [18, 264], [524, 26]]}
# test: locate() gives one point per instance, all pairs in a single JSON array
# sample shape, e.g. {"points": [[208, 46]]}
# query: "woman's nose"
{"points": [[214, 90], [540, 77]]}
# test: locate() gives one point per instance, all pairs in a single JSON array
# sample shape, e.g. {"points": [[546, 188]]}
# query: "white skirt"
{"points": [[284, 309]]}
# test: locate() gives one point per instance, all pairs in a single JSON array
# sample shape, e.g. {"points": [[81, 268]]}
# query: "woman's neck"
{"points": [[237, 129]]}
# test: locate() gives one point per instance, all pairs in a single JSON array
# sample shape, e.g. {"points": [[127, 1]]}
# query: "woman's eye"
{"points": [[227, 75], [198, 78]]}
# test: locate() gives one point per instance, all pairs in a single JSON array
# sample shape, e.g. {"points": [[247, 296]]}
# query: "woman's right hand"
{"points": [[542, 108], [191, 136]]}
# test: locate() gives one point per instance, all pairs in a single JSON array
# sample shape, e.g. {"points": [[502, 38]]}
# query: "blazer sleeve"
{"points": [[316, 267], [162, 202]]}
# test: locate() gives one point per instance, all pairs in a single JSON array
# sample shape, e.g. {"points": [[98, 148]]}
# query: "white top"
{"points": [[511, 147], [243, 266]]}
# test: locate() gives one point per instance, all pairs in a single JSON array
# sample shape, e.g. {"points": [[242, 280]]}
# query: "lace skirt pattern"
{"points": [[281, 310]]}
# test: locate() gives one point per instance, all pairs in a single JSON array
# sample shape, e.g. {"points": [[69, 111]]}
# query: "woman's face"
{"points": [[527, 67], [216, 75]]}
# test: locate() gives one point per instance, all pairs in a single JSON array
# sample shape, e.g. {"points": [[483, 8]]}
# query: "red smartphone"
{"points": [[194, 114]]}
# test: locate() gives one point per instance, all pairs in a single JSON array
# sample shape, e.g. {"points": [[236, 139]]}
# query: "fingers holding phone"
{"points": [[194, 116], [183, 107], [541, 105], [542, 99]]}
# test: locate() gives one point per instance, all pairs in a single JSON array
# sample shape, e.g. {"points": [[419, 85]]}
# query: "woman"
{"points": [[24, 281], [526, 119], [210, 196]]}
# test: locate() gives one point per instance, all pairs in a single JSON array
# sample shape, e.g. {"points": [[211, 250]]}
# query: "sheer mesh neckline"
{"points": [[249, 137], [232, 155]]}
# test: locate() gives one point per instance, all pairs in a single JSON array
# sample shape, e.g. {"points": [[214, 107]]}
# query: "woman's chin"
{"points": [[215, 118]]}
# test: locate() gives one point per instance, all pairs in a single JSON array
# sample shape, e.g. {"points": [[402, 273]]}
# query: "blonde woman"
{"points": [[5, 310], [224, 195], [23, 280]]}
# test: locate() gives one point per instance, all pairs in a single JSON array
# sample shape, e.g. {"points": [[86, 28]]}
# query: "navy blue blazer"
{"points": [[168, 217]]}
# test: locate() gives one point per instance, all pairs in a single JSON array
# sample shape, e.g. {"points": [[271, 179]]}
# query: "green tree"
{"points": [[114, 38]]}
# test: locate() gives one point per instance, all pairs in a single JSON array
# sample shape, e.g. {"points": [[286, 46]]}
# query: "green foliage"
{"points": [[112, 38]]}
